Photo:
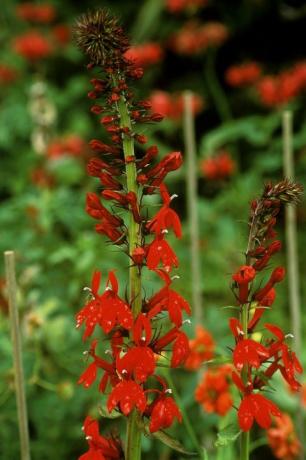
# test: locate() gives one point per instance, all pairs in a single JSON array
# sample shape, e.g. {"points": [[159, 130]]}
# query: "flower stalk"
{"points": [[9, 257], [256, 362], [192, 201], [133, 431], [135, 327]]}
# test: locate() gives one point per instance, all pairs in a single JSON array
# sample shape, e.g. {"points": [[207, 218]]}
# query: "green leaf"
{"points": [[227, 436], [173, 443], [105, 414], [255, 129]]}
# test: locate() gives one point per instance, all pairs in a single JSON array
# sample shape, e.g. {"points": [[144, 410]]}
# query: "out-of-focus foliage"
{"points": [[45, 125]]}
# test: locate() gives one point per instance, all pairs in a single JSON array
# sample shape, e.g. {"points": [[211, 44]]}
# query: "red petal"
{"points": [[245, 414], [275, 331], [95, 283]]}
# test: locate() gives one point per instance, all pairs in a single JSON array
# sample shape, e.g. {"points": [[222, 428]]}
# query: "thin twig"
{"points": [[292, 253], [9, 257], [192, 200]]}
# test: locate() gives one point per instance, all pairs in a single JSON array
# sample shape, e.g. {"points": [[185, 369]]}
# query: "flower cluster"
{"points": [[145, 54], [172, 105], [202, 349], [99, 447], [255, 363], [272, 90], [7, 74], [221, 166], [195, 37], [36, 44], [282, 88], [175, 6], [283, 440], [133, 325], [213, 392], [243, 74], [71, 145]]}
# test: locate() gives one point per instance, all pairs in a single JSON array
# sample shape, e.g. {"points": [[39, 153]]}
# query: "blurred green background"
{"points": [[45, 126]]}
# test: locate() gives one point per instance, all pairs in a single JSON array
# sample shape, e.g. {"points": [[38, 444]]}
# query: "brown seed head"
{"points": [[286, 191], [99, 36]]}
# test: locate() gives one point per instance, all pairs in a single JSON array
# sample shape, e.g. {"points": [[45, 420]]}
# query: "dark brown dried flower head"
{"points": [[286, 191], [264, 211], [100, 37]]}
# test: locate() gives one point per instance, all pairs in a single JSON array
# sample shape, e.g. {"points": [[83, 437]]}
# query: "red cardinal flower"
{"points": [[159, 251], [243, 74], [213, 392], [280, 349], [243, 277], [218, 167], [277, 276], [145, 54], [139, 361], [32, 46], [249, 352], [201, 349], [127, 394], [255, 406], [167, 299], [100, 448], [166, 217], [283, 440], [90, 374], [36, 13], [164, 412], [266, 301], [180, 348], [107, 310]]}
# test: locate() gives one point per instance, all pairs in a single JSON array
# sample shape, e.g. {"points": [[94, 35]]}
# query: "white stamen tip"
{"points": [[165, 231], [168, 390], [175, 277], [187, 321], [88, 438], [108, 352], [124, 371], [289, 336], [108, 288], [86, 288], [173, 196], [85, 352]]}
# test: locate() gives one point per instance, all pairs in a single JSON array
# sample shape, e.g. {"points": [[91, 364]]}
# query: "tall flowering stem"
{"points": [[135, 326], [255, 362]]}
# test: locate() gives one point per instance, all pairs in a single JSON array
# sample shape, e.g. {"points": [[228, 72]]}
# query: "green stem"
{"points": [[192, 202], [186, 421], [292, 259], [133, 433], [17, 356], [245, 436], [214, 87]]}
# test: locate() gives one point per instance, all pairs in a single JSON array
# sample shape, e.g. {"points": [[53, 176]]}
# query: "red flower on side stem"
{"points": [[249, 352], [163, 413], [107, 310], [180, 348], [243, 277], [167, 299], [254, 406], [159, 251], [201, 349], [166, 217], [139, 360], [127, 394], [100, 448], [213, 392]]}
